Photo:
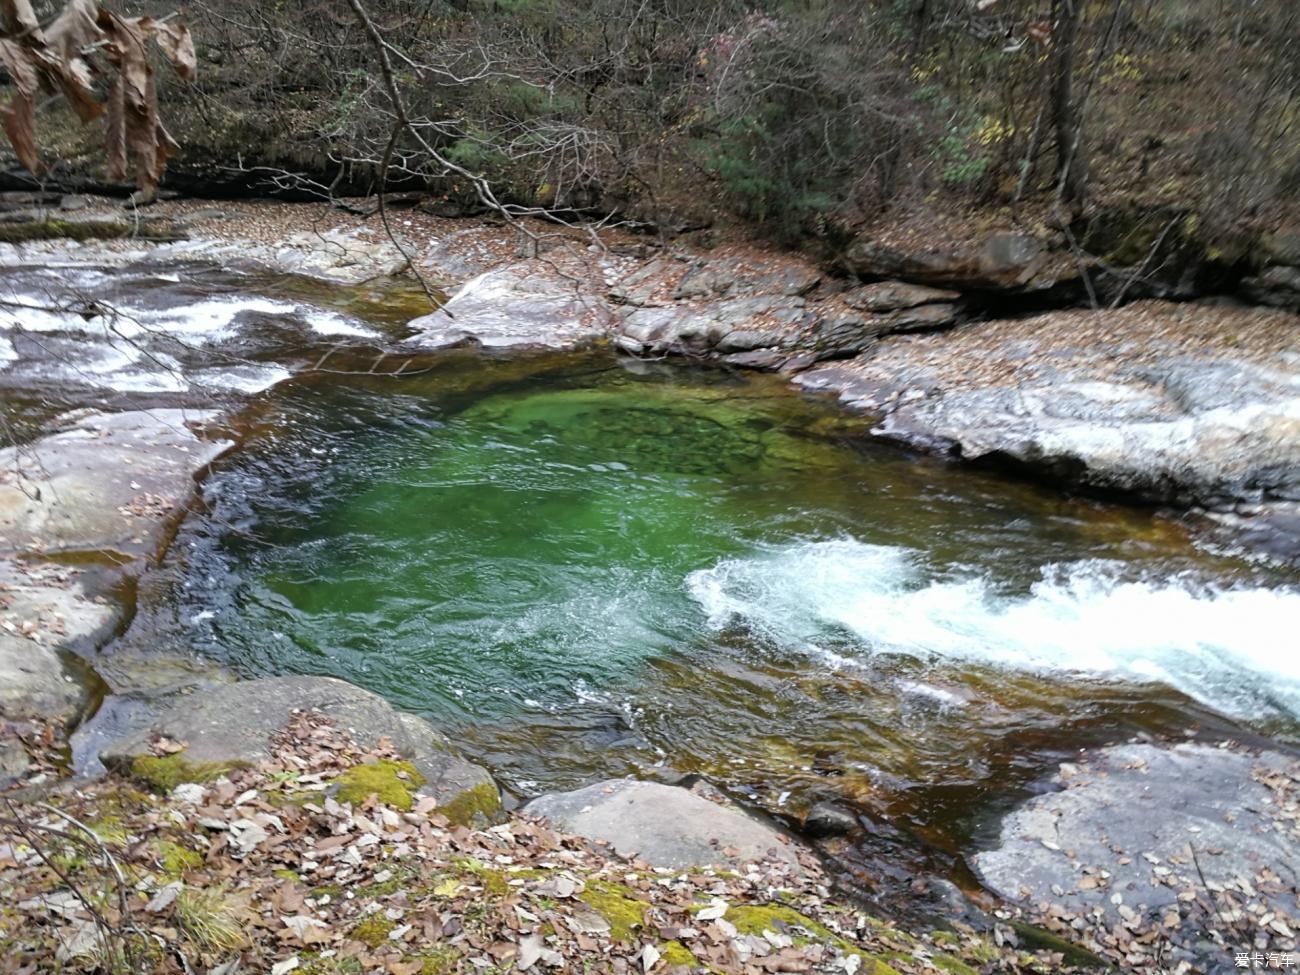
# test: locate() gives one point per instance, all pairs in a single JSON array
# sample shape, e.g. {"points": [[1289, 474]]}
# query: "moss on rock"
{"points": [[953, 965], [162, 773], [392, 783], [617, 905], [756, 918], [675, 954], [478, 806], [1034, 937]]}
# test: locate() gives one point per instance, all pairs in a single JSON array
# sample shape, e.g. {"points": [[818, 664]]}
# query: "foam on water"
{"points": [[214, 319], [1232, 649]]}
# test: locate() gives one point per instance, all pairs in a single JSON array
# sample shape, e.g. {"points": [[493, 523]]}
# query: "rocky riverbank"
{"points": [[1188, 404]]}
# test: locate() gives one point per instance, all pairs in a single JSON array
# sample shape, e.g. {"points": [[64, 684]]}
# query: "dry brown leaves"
{"points": [[69, 56], [267, 869]]}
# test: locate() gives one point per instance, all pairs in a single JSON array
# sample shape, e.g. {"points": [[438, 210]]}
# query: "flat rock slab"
{"points": [[234, 724], [1193, 405], [110, 481], [43, 612], [664, 825], [1131, 828], [521, 305]]}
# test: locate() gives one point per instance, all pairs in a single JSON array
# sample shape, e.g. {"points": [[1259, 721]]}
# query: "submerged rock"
{"points": [[664, 825], [1143, 837], [109, 481], [830, 819], [234, 725]]}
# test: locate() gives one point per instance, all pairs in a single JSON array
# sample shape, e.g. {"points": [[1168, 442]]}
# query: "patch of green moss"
{"points": [[373, 931], [944, 937], [109, 829], [440, 961], [392, 783], [675, 954], [286, 875], [403, 877], [617, 905], [1035, 938], [334, 965], [327, 890], [478, 806], [493, 882], [756, 918], [29, 230], [163, 773], [176, 859], [954, 965]]}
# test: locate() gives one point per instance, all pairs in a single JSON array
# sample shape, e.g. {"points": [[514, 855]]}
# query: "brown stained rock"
{"points": [[892, 295]]}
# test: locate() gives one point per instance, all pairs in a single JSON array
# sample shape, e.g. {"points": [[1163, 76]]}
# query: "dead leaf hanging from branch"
{"points": [[83, 46]]}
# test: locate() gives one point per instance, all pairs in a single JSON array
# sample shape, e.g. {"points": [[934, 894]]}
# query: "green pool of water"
{"points": [[583, 569]]}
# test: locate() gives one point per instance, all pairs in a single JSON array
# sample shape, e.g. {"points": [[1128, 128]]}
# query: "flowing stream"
{"points": [[583, 567]]}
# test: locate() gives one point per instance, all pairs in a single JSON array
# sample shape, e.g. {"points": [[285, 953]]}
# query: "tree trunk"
{"points": [[1071, 149]]}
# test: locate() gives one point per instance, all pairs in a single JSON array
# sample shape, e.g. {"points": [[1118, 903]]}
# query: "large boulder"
{"points": [[1140, 840], [45, 613], [1000, 262], [108, 482], [340, 256], [728, 325], [1171, 402], [666, 826], [529, 304], [886, 296], [232, 725], [1277, 286]]}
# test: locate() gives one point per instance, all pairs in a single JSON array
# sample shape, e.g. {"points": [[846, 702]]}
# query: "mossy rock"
{"points": [[1036, 939], [618, 905], [392, 783], [162, 773], [81, 230], [954, 965], [674, 954], [756, 918], [478, 806]]}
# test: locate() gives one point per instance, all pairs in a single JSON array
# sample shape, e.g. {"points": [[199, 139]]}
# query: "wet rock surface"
{"points": [[104, 483], [44, 614], [1140, 842], [664, 825], [1172, 402], [528, 304], [235, 725]]}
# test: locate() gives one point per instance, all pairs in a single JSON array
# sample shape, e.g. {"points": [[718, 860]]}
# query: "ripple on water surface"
{"points": [[590, 571]]}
